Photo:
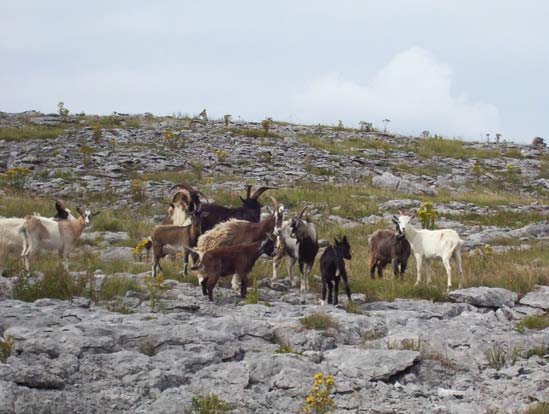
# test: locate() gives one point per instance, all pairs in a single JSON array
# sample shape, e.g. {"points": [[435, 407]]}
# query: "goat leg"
{"points": [[244, 286]]}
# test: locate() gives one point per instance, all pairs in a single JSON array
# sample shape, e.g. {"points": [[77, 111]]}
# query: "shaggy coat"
{"points": [[229, 260]]}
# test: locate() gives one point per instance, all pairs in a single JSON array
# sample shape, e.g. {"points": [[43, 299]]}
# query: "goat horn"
{"points": [[300, 215], [248, 191], [260, 191], [275, 203], [59, 205], [184, 186]]}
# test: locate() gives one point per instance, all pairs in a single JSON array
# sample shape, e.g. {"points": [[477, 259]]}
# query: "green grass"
{"points": [[319, 321], [252, 133], [349, 146], [55, 284], [31, 132], [539, 408], [113, 287], [436, 147], [533, 322], [6, 346], [208, 403]]}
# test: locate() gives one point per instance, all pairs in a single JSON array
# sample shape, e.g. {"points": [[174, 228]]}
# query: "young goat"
{"points": [[179, 238], [228, 260], [384, 247], [304, 232], [47, 234], [332, 268], [428, 244]]}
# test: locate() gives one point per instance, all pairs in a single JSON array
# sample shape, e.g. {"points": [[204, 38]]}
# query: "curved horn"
{"points": [[183, 186], [275, 203], [300, 215], [260, 191], [59, 205], [248, 191]]}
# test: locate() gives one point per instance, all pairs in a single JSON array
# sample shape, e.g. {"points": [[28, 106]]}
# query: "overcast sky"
{"points": [[460, 68]]}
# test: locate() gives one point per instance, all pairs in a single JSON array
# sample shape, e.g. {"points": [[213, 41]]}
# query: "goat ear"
{"points": [[95, 214], [241, 199]]}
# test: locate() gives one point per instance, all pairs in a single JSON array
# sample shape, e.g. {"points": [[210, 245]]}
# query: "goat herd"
{"points": [[225, 241]]}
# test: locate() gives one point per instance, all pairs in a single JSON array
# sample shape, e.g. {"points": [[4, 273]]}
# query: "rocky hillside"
{"points": [[104, 338]]}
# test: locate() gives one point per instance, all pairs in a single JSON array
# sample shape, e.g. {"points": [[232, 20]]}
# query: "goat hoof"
{"points": [[322, 302]]}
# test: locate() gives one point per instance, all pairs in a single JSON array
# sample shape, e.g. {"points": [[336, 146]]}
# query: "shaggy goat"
{"points": [[250, 210], [304, 232], [384, 247], [179, 238], [235, 232], [185, 199], [332, 268], [229, 260], [47, 234], [428, 244]]}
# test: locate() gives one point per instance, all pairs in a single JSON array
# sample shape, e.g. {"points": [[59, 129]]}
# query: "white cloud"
{"points": [[413, 90]]}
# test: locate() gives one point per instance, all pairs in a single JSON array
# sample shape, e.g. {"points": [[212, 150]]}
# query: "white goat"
{"points": [[428, 244], [47, 234], [11, 233]]}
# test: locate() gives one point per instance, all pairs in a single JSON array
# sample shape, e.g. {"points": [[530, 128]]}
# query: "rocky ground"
{"points": [[407, 356], [399, 357]]}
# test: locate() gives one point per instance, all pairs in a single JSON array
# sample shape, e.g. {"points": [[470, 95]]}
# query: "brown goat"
{"points": [[384, 247], [230, 260]]}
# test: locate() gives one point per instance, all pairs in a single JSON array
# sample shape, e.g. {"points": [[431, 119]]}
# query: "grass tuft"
{"points": [[319, 321]]}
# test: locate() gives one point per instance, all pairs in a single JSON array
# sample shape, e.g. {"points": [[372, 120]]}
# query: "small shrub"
{"points": [[266, 124], [542, 351], [136, 189], [253, 295], [427, 215], [6, 346], [221, 155], [208, 404], [497, 357], [407, 344], [351, 307], [319, 401], [138, 251], [319, 321], [372, 335], [17, 177], [155, 286], [86, 151], [97, 133], [227, 120], [533, 322], [55, 285]]}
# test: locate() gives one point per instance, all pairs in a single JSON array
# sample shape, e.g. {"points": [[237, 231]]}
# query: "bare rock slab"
{"points": [[539, 298], [485, 297]]}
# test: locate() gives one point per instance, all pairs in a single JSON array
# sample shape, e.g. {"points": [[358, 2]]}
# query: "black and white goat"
{"points": [[332, 269], [297, 239]]}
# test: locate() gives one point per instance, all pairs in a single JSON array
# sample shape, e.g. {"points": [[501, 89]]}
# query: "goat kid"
{"points": [[41, 233], [384, 247], [429, 244], [332, 269], [229, 260], [179, 238], [307, 246]]}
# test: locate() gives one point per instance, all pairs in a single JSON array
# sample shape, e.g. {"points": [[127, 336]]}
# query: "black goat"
{"points": [[250, 210], [332, 268], [387, 246]]}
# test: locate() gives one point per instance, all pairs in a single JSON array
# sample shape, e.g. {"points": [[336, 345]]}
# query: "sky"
{"points": [[457, 68]]}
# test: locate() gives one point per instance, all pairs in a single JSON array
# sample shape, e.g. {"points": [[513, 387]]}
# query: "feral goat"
{"points": [[428, 244], [12, 239], [42, 233], [304, 232], [179, 238], [234, 232], [332, 268], [229, 260], [185, 199], [387, 246], [250, 210]]}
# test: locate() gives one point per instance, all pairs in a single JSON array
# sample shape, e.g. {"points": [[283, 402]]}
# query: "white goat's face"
{"points": [[87, 216], [403, 222]]}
